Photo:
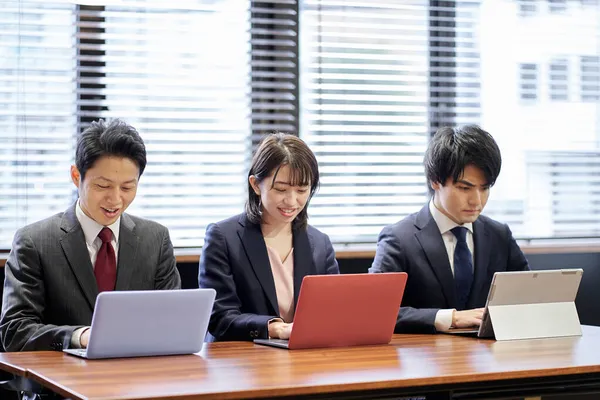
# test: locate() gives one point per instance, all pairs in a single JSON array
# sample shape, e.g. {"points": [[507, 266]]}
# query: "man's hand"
{"points": [[280, 330], [84, 339], [467, 318]]}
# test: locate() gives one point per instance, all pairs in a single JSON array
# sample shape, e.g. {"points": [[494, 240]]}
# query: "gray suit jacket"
{"points": [[49, 286], [415, 246]]}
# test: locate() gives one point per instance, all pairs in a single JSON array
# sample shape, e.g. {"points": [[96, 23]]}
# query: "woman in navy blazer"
{"points": [[235, 261]]}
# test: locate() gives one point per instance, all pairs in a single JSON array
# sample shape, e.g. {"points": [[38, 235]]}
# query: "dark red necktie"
{"points": [[105, 268]]}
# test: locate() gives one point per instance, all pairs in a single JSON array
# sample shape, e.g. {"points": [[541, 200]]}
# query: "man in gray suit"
{"points": [[57, 266]]}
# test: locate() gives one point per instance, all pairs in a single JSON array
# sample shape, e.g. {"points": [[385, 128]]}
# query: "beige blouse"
{"points": [[283, 275]]}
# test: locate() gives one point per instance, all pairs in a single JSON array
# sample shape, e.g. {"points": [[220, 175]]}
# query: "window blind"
{"points": [[37, 111], [364, 106], [180, 73], [274, 67], [374, 80], [201, 80], [377, 79]]}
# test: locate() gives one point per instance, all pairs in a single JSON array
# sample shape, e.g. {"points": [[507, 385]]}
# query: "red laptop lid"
{"points": [[347, 310]]}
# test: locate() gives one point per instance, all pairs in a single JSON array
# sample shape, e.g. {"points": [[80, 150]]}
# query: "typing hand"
{"points": [[467, 318], [280, 330], [85, 338]]}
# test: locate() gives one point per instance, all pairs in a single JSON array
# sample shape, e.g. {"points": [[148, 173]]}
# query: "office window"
{"points": [[37, 111], [201, 80], [527, 7], [374, 80], [559, 79], [189, 99], [528, 82], [454, 64], [590, 78], [356, 61], [364, 88], [548, 183], [557, 6]]}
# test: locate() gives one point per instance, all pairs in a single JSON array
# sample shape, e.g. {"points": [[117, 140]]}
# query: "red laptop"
{"points": [[344, 310]]}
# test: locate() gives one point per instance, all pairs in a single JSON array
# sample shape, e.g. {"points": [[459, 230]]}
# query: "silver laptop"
{"points": [[532, 289], [148, 323]]}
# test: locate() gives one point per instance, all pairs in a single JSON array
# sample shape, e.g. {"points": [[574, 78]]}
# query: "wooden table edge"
{"points": [[13, 369], [389, 384]]}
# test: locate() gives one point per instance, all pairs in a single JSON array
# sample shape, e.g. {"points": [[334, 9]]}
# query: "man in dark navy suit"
{"points": [[448, 249]]}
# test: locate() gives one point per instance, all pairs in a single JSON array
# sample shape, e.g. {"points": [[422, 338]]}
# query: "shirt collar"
{"points": [[91, 228], [443, 222]]}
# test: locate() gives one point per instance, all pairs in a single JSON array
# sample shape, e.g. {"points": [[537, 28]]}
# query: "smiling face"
{"points": [[462, 201], [107, 189], [281, 202]]}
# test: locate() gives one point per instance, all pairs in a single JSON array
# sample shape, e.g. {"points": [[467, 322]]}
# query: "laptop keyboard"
{"points": [[280, 341], [79, 352]]}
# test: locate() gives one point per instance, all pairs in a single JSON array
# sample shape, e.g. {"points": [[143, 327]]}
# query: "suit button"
{"points": [[251, 334]]}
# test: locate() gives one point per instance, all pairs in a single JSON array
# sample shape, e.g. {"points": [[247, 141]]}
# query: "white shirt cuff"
{"points": [[443, 320], [76, 337]]}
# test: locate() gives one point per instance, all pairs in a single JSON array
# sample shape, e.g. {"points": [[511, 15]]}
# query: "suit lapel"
{"points": [[75, 249], [256, 251], [303, 260], [128, 245], [431, 241], [481, 246]]}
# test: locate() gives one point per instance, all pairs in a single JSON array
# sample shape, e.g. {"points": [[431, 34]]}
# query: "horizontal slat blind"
{"points": [[274, 67], [37, 111], [364, 111], [179, 73], [203, 80], [568, 195]]}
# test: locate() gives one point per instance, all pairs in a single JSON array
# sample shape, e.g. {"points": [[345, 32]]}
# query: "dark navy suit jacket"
{"points": [[415, 246], [236, 264]]}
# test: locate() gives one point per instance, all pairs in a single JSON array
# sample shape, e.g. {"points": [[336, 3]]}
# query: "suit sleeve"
{"points": [[167, 275], [331, 264], [227, 322], [391, 257], [21, 323], [516, 258]]}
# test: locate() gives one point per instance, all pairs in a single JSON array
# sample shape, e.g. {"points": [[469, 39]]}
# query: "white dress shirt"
{"points": [[91, 229], [443, 318]]}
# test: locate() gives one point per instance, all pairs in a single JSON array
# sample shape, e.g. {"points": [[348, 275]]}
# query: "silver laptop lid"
{"points": [[148, 323]]}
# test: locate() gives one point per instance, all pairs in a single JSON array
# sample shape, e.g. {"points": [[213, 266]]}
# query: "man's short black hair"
{"points": [[116, 138], [452, 149]]}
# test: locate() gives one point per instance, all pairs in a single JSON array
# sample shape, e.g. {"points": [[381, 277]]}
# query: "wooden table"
{"points": [[411, 364]]}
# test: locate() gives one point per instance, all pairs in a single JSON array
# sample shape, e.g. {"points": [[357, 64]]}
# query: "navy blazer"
{"points": [[415, 246], [235, 263]]}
